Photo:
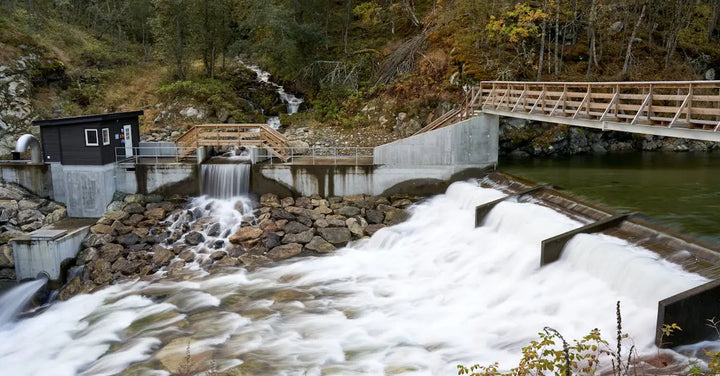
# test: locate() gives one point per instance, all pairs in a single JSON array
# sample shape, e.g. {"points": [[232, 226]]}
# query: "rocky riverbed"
{"points": [[151, 237], [22, 212]]}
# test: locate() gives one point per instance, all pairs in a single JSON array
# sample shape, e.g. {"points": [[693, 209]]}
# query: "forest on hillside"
{"points": [[336, 52]]}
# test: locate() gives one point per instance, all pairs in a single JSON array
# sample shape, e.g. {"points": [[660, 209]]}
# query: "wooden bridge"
{"points": [[260, 135], [683, 109]]}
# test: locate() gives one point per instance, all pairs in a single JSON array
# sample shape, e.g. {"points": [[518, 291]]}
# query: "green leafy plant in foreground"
{"points": [[551, 354]]}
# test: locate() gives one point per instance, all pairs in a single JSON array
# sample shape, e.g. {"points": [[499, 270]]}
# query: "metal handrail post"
{"points": [[313, 155], [357, 151]]}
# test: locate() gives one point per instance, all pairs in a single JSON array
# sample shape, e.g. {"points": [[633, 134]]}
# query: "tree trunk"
{"points": [[542, 44], [628, 54], [348, 19], [557, 37], [591, 39]]}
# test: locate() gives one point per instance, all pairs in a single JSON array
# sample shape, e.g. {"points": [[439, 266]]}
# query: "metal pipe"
{"points": [[29, 141]]}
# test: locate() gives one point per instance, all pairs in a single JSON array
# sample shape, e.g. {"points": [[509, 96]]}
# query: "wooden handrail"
{"points": [[235, 134]]}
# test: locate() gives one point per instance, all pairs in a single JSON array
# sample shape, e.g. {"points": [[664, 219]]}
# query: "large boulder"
{"points": [[111, 252], [194, 238], [162, 256], [245, 234], [300, 237], [7, 259], [318, 244], [338, 236], [285, 251]]}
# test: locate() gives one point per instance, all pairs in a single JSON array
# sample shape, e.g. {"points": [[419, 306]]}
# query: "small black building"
{"points": [[90, 140]]}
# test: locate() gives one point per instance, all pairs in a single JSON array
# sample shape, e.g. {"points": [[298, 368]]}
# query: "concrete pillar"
{"points": [[202, 154]]}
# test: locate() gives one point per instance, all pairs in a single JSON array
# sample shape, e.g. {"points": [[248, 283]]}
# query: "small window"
{"points": [[106, 136], [91, 137]]}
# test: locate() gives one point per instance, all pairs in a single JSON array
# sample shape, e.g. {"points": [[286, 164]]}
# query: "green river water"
{"points": [[680, 191]]}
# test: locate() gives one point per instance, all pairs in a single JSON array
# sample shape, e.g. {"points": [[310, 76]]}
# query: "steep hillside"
{"points": [[386, 67]]}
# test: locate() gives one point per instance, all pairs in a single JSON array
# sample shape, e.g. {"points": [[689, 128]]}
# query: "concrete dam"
{"points": [[477, 269]]}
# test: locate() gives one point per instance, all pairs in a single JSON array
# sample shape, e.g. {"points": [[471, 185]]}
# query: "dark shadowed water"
{"points": [[680, 191]]}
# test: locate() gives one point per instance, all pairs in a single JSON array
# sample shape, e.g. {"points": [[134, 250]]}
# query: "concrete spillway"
{"points": [[225, 180]]}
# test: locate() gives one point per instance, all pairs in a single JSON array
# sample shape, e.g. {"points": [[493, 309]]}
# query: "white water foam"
{"points": [[14, 300], [417, 298]]}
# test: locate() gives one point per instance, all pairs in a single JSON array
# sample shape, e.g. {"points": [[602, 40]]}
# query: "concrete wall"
{"points": [[45, 254], [169, 178], [473, 142], [35, 178], [352, 180], [86, 190]]}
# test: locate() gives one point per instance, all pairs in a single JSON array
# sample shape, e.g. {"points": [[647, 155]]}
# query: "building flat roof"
{"points": [[88, 118]]}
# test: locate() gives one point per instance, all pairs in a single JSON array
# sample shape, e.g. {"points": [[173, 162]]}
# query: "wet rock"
{"points": [[245, 234], [217, 255], [126, 267], [194, 238], [157, 213], [135, 198], [118, 228], [321, 223], [100, 271], [322, 210], [176, 268], [371, 229], [187, 255], [287, 201], [134, 208], [318, 244], [338, 236], [133, 220], [301, 237], [97, 240], [116, 215], [251, 260], [295, 227], [305, 221], [86, 255], [348, 211], [278, 213], [271, 239], [101, 229], [393, 215], [226, 262], [29, 216], [285, 251], [374, 216], [336, 220], [128, 239], [214, 229], [270, 200], [356, 226], [8, 273], [111, 252], [303, 202], [162, 256]]}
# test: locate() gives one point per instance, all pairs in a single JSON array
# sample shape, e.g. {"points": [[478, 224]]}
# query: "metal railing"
{"points": [[153, 154], [326, 155]]}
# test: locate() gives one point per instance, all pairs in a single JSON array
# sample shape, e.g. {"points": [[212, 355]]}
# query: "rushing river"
{"points": [[417, 298], [678, 190]]}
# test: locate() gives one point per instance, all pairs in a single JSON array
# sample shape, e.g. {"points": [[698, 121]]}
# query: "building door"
{"points": [[127, 131]]}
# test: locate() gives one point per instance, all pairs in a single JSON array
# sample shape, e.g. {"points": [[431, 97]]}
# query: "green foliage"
{"points": [[517, 24], [218, 95], [543, 357], [103, 57]]}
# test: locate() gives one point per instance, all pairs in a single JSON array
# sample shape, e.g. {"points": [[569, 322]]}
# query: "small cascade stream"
{"points": [[291, 102], [416, 298]]}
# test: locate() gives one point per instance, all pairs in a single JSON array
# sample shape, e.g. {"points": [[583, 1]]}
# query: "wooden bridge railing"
{"points": [[260, 135], [693, 105], [672, 104]]}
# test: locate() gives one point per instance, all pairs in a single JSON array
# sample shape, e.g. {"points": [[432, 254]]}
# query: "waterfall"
{"points": [[225, 180], [292, 102], [14, 300], [419, 297]]}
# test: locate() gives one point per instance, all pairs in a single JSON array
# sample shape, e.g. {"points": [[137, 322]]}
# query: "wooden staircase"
{"points": [[260, 135]]}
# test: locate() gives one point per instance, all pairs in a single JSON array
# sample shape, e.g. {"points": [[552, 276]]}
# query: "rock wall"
{"points": [[150, 237], [22, 212], [16, 82], [520, 138]]}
